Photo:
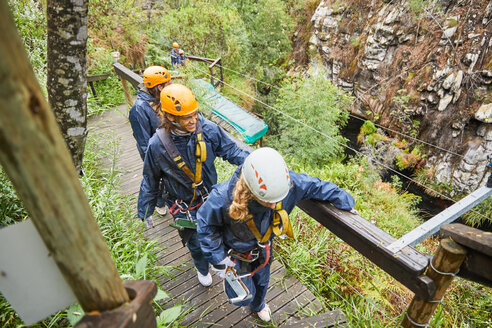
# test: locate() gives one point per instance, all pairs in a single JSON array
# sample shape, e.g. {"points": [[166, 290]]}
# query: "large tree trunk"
{"points": [[35, 158], [67, 71]]}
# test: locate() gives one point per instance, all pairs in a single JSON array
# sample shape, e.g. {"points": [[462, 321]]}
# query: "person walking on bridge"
{"points": [[175, 57], [145, 115], [240, 218], [182, 153]]}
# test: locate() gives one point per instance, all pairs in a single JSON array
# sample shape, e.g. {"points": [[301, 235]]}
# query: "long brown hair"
{"points": [[241, 195], [156, 94], [166, 123]]}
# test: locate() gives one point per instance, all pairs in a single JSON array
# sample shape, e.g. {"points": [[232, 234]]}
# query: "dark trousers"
{"points": [[257, 285], [193, 245]]}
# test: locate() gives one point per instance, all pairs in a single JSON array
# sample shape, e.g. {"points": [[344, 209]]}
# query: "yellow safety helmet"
{"points": [[155, 75], [178, 100], [175, 45]]}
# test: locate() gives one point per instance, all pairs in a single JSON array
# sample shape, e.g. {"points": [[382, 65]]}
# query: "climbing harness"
{"points": [[279, 216], [247, 257], [180, 206], [196, 178]]}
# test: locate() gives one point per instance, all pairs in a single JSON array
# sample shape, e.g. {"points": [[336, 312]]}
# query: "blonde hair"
{"points": [[241, 196]]}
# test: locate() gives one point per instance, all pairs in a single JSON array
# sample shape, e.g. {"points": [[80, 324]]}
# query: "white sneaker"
{"points": [[205, 280], [264, 314], [161, 210]]}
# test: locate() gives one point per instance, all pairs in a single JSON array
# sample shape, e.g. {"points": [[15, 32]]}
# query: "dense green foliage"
{"points": [[296, 127], [204, 32], [30, 18], [11, 209]]}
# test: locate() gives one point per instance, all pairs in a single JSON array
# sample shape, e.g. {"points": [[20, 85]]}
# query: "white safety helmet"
{"points": [[266, 175]]}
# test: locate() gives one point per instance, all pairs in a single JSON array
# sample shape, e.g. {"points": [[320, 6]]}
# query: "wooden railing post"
{"points": [[37, 161], [442, 269]]}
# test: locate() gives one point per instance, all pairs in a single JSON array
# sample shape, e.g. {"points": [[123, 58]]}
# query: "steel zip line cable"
{"points": [[367, 273], [343, 145], [355, 116], [380, 310], [334, 290]]}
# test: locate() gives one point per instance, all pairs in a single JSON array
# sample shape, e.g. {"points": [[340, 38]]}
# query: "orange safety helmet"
{"points": [[155, 75], [175, 45], [178, 100]]}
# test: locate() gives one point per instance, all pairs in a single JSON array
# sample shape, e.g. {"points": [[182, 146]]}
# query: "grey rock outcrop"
{"points": [[420, 72]]}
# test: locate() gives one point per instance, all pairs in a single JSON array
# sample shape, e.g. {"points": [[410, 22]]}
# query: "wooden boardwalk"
{"points": [[289, 300]]}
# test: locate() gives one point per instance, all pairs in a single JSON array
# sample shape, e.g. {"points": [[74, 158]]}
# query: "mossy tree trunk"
{"points": [[36, 160], [67, 71]]}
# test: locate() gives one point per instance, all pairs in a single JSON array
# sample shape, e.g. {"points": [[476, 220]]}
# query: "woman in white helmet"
{"points": [[237, 223]]}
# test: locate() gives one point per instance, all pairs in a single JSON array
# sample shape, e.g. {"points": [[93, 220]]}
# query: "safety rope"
{"points": [[350, 114], [415, 323], [443, 273]]}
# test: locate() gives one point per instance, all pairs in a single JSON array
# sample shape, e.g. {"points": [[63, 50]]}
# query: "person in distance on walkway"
{"points": [[182, 57], [182, 153], [240, 218], [175, 58], [145, 115]]}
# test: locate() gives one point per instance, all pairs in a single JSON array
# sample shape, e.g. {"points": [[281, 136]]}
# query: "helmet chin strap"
{"points": [[179, 130]]}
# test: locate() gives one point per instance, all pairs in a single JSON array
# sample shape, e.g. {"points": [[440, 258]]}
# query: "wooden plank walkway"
{"points": [[204, 306]]}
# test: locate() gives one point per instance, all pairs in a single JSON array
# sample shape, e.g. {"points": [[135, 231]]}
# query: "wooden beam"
{"points": [[35, 157], [99, 77], [407, 266], [135, 80], [478, 245], [214, 62], [470, 237], [92, 78], [449, 215], [200, 59]]}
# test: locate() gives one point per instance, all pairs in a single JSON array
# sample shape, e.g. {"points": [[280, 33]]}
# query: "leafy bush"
{"points": [[314, 102], [109, 95], [11, 209], [203, 28], [117, 25]]}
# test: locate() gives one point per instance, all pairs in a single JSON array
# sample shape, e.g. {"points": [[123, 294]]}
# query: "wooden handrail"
{"points": [[213, 63]]}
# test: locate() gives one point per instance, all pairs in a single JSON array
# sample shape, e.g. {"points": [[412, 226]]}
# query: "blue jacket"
{"points": [[158, 164], [218, 232], [144, 121], [175, 58]]}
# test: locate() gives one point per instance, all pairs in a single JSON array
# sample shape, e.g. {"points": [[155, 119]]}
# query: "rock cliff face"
{"points": [[420, 68]]}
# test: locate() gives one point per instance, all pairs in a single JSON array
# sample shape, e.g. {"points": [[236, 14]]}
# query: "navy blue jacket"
{"points": [[144, 121], [158, 164], [218, 232], [175, 58]]}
